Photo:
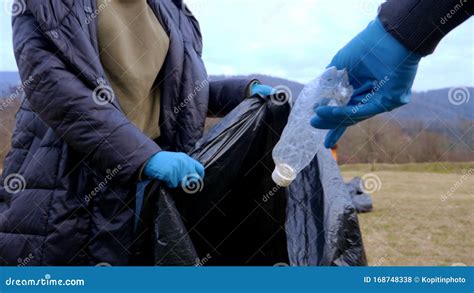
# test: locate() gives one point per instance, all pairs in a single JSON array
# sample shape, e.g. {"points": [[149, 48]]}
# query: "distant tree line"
{"points": [[389, 141]]}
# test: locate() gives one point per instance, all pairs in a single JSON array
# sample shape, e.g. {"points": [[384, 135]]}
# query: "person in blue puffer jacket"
{"points": [[117, 93]]}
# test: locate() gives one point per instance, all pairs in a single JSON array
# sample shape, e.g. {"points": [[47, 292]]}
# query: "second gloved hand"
{"points": [[172, 168], [261, 89], [381, 71]]}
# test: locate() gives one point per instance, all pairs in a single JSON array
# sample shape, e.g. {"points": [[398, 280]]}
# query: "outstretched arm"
{"points": [[383, 59], [419, 25], [226, 94]]}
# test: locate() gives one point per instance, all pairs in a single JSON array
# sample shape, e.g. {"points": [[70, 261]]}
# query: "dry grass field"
{"points": [[423, 214]]}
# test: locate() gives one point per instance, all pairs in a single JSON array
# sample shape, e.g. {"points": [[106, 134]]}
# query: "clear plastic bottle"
{"points": [[300, 141]]}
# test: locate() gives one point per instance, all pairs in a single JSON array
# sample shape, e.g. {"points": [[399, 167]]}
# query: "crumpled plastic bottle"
{"points": [[300, 142]]}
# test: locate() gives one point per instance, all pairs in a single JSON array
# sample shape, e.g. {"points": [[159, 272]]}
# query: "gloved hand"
{"points": [[172, 168], [261, 89], [381, 71]]}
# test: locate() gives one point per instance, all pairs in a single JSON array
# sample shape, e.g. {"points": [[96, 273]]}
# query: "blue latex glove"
{"points": [[261, 89], [172, 168], [381, 71]]}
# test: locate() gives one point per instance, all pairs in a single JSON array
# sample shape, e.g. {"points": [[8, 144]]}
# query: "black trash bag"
{"points": [[162, 237], [173, 244], [362, 201], [238, 216]]}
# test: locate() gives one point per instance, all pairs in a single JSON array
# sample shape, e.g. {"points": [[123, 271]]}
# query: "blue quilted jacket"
{"points": [[69, 179]]}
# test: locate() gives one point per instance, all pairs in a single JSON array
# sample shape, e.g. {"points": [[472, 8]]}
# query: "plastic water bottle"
{"points": [[300, 141]]}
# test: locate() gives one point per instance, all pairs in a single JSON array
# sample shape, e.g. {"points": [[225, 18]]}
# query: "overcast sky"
{"points": [[295, 39]]}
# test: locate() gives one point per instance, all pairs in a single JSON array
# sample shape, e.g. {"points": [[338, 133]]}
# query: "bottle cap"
{"points": [[283, 175]]}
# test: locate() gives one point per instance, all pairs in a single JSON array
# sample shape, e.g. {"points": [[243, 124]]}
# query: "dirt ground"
{"points": [[423, 216]]}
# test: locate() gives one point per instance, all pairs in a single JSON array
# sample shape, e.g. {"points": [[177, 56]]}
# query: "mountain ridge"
{"points": [[442, 102], [444, 105]]}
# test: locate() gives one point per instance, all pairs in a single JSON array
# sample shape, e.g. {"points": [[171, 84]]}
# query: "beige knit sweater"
{"points": [[133, 46]]}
